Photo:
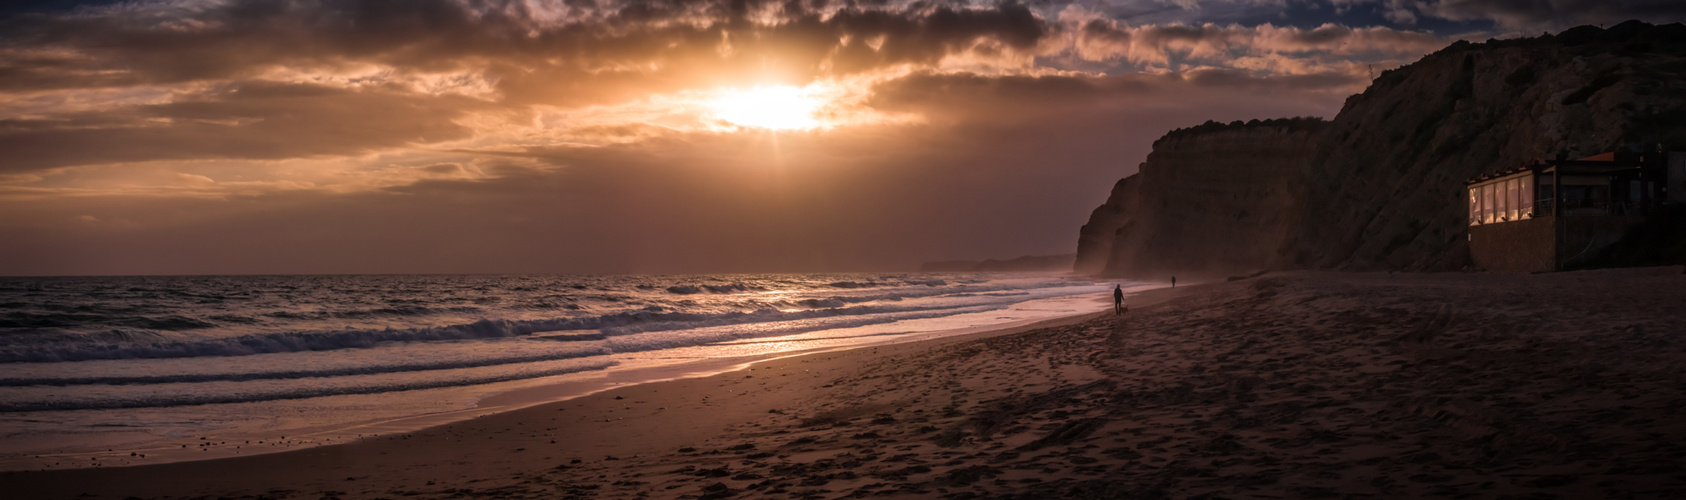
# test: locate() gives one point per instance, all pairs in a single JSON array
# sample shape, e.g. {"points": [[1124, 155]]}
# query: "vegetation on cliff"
{"points": [[1298, 123]]}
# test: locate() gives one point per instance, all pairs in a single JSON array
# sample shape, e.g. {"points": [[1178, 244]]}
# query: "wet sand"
{"points": [[1296, 385]]}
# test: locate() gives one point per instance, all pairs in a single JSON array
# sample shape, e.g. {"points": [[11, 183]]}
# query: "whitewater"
{"points": [[90, 364]]}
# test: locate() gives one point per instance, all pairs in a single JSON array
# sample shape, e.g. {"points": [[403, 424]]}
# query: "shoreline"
{"points": [[310, 438]]}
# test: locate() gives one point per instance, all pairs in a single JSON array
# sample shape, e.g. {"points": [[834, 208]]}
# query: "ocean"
{"points": [[104, 370]]}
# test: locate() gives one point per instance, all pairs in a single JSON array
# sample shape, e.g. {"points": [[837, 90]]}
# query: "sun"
{"points": [[777, 107]]}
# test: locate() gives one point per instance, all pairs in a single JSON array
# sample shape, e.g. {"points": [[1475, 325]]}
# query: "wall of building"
{"points": [[1676, 185], [1584, 237], [1527, 246], [1523, 246]]}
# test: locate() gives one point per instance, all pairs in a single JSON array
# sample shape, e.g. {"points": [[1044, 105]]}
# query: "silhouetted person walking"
{"points": [[1117, 300], [1173, 282]]}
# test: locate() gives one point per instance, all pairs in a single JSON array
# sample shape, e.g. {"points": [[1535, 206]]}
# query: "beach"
{"points": [[1286, 385]]}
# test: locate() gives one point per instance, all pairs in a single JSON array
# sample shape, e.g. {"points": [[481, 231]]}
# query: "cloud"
{"points": [[273, 79], [986, 181], [1265, 48], [577, 136], [157, 43], [246, 120], [1526, 17]]}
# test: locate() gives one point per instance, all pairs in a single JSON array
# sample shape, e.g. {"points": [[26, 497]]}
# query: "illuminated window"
{"points": [[1474, 206], [1513, 200], [1489, 204], [1526, 191]]}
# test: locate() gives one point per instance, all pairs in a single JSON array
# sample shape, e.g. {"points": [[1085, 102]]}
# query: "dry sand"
{"points": [[1300, 385]]}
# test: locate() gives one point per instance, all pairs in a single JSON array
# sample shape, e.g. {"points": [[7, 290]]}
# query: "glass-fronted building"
{"points": [[1545, 214], [1504, 199]]}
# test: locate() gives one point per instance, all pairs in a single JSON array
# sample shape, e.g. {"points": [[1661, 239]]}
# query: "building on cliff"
{"points": [[1548, 214]]}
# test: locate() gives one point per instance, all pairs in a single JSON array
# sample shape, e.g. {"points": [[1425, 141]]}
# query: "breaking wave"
{"points": [[192, 398], [295, 374]]}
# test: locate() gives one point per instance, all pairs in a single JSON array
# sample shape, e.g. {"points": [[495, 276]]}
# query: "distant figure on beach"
{"points": [[1173, 282], [1117, 300]]}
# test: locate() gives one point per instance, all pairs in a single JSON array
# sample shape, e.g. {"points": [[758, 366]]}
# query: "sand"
{"points": [[1295, 385]]}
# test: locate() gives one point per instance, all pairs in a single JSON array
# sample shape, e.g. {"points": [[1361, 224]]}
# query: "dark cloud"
{"points": [[257, 120], [1024, 99], [161, 44], [1533, 16]]}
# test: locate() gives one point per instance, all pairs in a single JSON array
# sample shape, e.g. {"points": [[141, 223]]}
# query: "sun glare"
{"points": [[777, 108]]}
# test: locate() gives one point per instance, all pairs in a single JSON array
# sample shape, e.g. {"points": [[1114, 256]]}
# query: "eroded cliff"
{"points": [[1212, 183], [1381, 185]]}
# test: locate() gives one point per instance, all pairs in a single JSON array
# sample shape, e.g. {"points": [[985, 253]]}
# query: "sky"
{"points": [[669, 136]]}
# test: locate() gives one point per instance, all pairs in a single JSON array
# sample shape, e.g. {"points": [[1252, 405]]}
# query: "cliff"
{"points": [[1095, 239], [1381, 185], [1385, 190], [1200, 188]]}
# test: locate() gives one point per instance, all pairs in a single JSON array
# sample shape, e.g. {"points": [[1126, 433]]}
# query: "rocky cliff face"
{"points": [[1095, 239], [1212, 183], [1381, 186]]}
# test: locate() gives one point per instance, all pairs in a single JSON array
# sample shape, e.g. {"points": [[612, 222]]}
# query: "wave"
{"points": [[839, 337], [118, 344], [199, 398], [82, 316], [296, 374], [24, 320], [625, 340], [696, 289], [854, 284], [768, 316], [272, 343], [396, 311]]}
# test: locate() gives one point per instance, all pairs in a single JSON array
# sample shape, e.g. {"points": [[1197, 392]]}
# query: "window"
{"points": [[1526, 191], [1486, 206], [1513, 199], [1489, 204], [1474, 206]]}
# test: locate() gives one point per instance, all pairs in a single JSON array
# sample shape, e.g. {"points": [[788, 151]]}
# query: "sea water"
{"points": [[99, 368]]}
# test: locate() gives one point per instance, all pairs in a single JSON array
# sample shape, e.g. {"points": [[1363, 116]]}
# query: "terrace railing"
{"points": [[1576, 208]]}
